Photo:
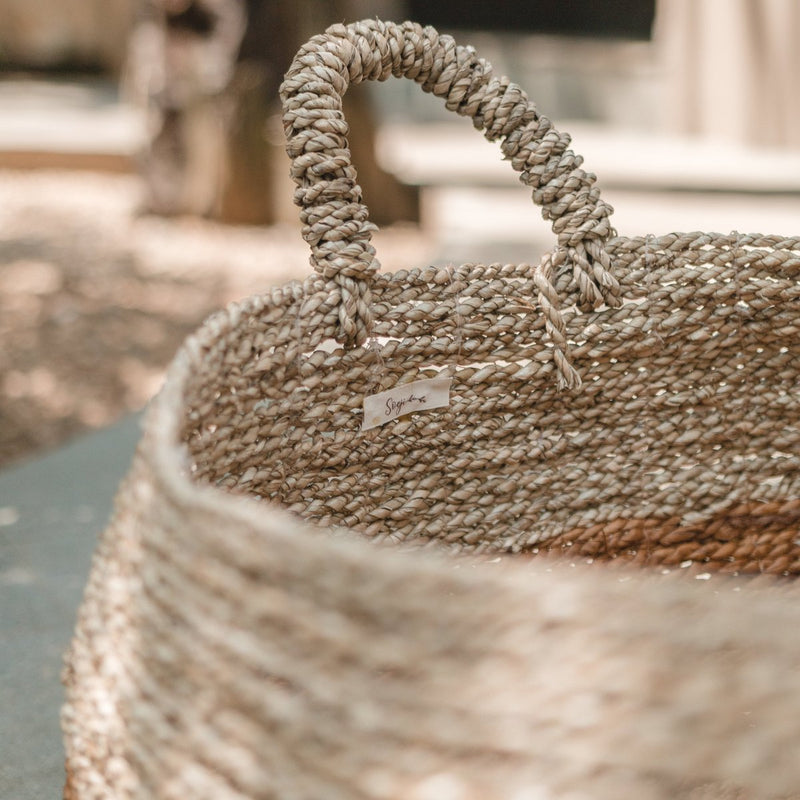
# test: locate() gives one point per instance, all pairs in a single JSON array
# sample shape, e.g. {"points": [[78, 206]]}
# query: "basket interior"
{"points": [[681, 446]]}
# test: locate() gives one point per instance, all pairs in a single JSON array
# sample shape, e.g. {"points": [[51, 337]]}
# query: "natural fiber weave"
{"points": [[252, 627]]}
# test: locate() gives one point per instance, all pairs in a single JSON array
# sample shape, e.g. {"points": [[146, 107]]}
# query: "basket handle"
{"points": [[335, 220]]}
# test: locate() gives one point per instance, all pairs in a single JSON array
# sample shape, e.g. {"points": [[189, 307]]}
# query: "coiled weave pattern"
{"points": [[545, 590]]}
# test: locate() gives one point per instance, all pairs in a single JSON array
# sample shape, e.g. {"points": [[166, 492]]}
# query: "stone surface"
{"points": [[51, 511]]}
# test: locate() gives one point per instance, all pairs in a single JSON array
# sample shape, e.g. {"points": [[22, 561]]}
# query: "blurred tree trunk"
{"points": [[209, 71]]}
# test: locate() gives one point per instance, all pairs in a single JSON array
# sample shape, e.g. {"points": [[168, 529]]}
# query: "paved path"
{"points": [[51, 511]]}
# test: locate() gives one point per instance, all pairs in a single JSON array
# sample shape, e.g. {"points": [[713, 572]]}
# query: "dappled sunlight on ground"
{"points": [[95, 300]]}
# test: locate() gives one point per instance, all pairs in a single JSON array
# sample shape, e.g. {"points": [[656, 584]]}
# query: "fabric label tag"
{"points": [[405, 399]]}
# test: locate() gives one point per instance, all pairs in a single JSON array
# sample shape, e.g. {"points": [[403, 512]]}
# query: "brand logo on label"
{"points": [[395, 408], [405, 399]]}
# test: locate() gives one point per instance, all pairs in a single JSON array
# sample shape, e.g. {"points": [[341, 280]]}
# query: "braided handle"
{"points": [[335, 221]]}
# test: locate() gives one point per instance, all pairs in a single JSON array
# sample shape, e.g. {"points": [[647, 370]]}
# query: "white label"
{"points": [[405, 399]]}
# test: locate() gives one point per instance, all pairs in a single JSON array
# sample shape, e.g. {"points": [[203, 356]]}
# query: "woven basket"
{"points": [[300, 599]]}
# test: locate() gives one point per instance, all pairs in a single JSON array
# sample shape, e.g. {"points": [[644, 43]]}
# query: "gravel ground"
{"points": [[95, 299]]}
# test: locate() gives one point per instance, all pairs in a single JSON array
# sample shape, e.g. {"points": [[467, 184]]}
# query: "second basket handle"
{"points": [[335, 220]]}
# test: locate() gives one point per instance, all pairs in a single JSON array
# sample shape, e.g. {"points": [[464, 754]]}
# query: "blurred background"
{"points": [[143, 181]]}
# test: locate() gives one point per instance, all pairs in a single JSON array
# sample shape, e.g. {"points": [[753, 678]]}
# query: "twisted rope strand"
{"points": [[335, 221]]}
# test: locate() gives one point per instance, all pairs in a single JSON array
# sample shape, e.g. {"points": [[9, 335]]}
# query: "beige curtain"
{"points": [[732, 69]]}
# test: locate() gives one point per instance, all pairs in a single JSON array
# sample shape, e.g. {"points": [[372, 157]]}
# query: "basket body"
{"points": [[287, 606]]}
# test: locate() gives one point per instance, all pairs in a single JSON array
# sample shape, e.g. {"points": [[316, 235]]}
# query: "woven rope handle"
{"points": [[335, 221]]}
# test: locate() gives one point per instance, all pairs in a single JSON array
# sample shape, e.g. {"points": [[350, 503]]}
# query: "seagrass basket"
{"points": [[489, 531]]}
